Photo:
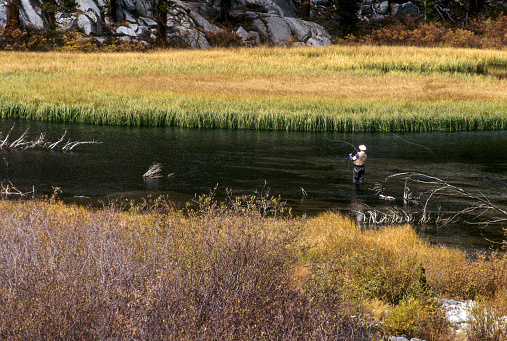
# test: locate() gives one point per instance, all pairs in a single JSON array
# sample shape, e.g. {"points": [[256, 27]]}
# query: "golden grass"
{"points": [[382, 83], [245, 74]]}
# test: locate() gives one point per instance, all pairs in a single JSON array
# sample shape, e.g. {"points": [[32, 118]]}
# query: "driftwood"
{"points": [[416, 208], [41, 143], [154, 171], [9, 190]]}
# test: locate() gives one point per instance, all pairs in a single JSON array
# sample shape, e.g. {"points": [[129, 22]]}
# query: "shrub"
{"points": [[486, 324], [416, 318]]}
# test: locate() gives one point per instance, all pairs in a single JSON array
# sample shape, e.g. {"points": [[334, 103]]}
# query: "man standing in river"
{"points": [[359, 160]]}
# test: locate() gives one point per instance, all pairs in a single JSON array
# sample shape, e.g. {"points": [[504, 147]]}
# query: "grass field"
{"points": [[353, 88]]}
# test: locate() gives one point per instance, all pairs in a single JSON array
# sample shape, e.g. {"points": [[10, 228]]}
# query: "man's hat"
{"points": [[362, 147]]}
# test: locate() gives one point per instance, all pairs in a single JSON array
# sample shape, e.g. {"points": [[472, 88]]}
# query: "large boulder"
{"points": [[279, 32], [31, 14]]}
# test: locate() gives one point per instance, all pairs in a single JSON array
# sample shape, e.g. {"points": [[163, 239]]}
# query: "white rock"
{"points": [[318, 42], [127, 31], [87, 5], [66, 21], [3, 14], [242, 33], [148, 22], [30, 15], [85, 24]]}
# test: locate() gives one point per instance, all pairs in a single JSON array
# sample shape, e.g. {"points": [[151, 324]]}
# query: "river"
{"points": [[311, 171]]}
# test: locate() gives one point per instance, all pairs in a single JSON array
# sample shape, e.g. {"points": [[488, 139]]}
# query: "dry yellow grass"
{"points": [[335, 73]]}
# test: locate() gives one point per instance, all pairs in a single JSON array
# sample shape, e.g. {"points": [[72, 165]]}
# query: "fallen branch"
{"points": [[154, 171], [22, 143]]}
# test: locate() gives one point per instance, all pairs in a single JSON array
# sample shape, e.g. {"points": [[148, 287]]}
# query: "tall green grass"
{"points": [[341, 117]]}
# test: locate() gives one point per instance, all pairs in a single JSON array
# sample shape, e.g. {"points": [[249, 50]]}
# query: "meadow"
{"points": [[339, 88], [230, 271]]}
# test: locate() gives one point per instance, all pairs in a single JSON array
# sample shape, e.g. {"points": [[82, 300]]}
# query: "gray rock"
{"points": [[259, 27], [144, 8], [242, 33], [88, 5], [129, 17], [3, 14], [142, 30], [202, 22], [318, 41], [129, 5], [86, 25], [30, 15], [300, 31], [66, 21], [408, 8], [194, 38], [366, 9], [101, 39], [126, 31], [285, 8], [147, 22], [279, 31], [253, 39], [383, 7]]}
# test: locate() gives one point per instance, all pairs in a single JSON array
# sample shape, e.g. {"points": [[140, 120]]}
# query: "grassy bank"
{"points": [[224, 271], [359, 88]]}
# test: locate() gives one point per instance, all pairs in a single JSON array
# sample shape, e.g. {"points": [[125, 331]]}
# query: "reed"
{"points": [[360, 88]]}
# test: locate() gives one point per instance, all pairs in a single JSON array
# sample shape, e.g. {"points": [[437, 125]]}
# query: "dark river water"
{"points": [[288, 164]]}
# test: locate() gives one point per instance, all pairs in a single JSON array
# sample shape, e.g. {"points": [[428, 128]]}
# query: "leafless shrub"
{"points": [[223, 270], [417, 207]]}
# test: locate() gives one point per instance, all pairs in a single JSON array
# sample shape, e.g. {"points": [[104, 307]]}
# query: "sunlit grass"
{"points": [[356, 88]]}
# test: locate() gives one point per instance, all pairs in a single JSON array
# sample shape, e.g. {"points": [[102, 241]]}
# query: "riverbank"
{"points": [[218, 270], [339, 88]]}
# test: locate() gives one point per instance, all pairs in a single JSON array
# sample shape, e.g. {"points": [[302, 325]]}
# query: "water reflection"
{"points": [[357, 205]]}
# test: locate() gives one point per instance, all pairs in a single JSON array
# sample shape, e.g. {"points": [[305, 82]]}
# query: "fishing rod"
{"points": [[415, 144], [342, 141]]}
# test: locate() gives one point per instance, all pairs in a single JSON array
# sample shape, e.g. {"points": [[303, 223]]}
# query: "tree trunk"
{"points": [[224, 10], [13, 22], [305, 8], [51, 10], [112, 10], [163, 6]]}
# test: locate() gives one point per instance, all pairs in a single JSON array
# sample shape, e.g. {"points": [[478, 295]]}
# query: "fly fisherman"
{"points": [[359, 160]]}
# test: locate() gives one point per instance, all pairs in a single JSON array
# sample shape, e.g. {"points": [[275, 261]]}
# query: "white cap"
{"points": [[362, 147]]}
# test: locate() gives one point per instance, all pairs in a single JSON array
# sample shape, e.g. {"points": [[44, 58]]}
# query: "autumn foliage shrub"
{"points": [[219, 271], [479, 33]]}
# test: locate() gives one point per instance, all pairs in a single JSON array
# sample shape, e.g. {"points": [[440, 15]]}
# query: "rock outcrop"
{"points": [[188, 23], [192, 23]]}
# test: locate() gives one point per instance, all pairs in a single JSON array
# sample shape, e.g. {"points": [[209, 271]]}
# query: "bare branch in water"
{"points": [[22, 143], [154, 171], [480, 206], [10, 190]]}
